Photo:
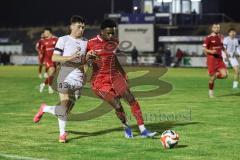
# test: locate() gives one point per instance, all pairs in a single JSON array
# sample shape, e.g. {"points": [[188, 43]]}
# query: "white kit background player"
{"points": [[70, 51], [232, 46]]}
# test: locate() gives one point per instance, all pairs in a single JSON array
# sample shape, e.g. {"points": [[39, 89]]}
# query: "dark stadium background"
{"points": [[20, 13]]}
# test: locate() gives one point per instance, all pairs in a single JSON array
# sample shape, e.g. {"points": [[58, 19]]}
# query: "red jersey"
{"points": [[48, 45], [214, 42], [105, 50], [39, 45], [107, 80], [179, 54]]}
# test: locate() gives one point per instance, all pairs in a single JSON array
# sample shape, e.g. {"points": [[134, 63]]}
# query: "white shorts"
{"points": [[75, 79], [233, 62], [68, 79]]}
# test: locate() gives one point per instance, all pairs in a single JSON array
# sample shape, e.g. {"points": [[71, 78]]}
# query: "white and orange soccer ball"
{"points": [[169, 139]]}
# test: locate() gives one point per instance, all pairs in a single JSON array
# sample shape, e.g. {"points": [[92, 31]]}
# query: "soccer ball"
{"points": [[169, 139]]}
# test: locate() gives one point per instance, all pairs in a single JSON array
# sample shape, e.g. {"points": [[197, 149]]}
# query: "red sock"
{"points": [[137, 113], [211, 85], [50, 79], [46, 81]]}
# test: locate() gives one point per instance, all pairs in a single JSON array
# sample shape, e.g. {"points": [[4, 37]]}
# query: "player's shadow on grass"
{"points": [[180, 146], [158, 127]]}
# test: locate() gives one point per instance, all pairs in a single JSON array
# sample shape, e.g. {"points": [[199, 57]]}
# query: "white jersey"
{"points": [[67, 46], [231, 45]]}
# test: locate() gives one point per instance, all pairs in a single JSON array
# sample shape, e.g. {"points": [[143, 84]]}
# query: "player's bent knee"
{"points": [[128, 96], [68, 104], [51, 70], [224, 75], [61, 112]]}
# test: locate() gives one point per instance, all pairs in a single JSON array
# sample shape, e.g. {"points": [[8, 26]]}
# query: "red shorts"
{"points": [[215, 64], [108, 87]]}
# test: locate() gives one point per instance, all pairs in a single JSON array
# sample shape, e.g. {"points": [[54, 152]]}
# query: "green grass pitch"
{"points": [[208, 128]]}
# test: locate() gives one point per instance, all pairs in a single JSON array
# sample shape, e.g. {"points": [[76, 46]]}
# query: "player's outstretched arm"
{"points": [[91, 56]]}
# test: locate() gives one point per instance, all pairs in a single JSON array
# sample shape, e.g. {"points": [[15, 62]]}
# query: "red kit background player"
{"points": [[48, 45], [39, 49], [213, 47]]}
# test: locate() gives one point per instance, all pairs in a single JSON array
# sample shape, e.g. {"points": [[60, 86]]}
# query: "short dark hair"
{"points": [[47, 29], [215, 23], [108, 23], [231, 29], [77, 19]]}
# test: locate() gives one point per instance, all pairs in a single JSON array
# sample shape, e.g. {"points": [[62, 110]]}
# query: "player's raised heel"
{"points": [[39, 114], [63, 138], [148, 134], [128, 132]]}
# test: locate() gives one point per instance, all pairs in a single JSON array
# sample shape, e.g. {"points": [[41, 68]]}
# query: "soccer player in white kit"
{"points": [[70, 51], [231, 44]]}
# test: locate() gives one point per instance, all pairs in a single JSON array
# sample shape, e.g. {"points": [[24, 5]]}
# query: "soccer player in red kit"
{"points": [[213, 47], [48, 45], [39, 49], [109, 80]]}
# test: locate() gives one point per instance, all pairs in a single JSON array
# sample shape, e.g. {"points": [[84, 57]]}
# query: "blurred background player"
{"points": [[134, 55], [109, 80], [39, 49], [231, 44], [70, 51], [48, 45], [213, 47], [179, 57]]}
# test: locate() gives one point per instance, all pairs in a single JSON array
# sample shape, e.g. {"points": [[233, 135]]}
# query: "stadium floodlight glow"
{"points": [[135, 8]]}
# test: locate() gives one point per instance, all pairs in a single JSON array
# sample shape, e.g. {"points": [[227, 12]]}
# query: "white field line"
{"points": [[18, 157]]}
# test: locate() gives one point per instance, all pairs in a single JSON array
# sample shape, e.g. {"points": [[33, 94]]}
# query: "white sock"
{"points": [[211, 92], [235, 84], [62, 125], [49, 109], [141, 127]]}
